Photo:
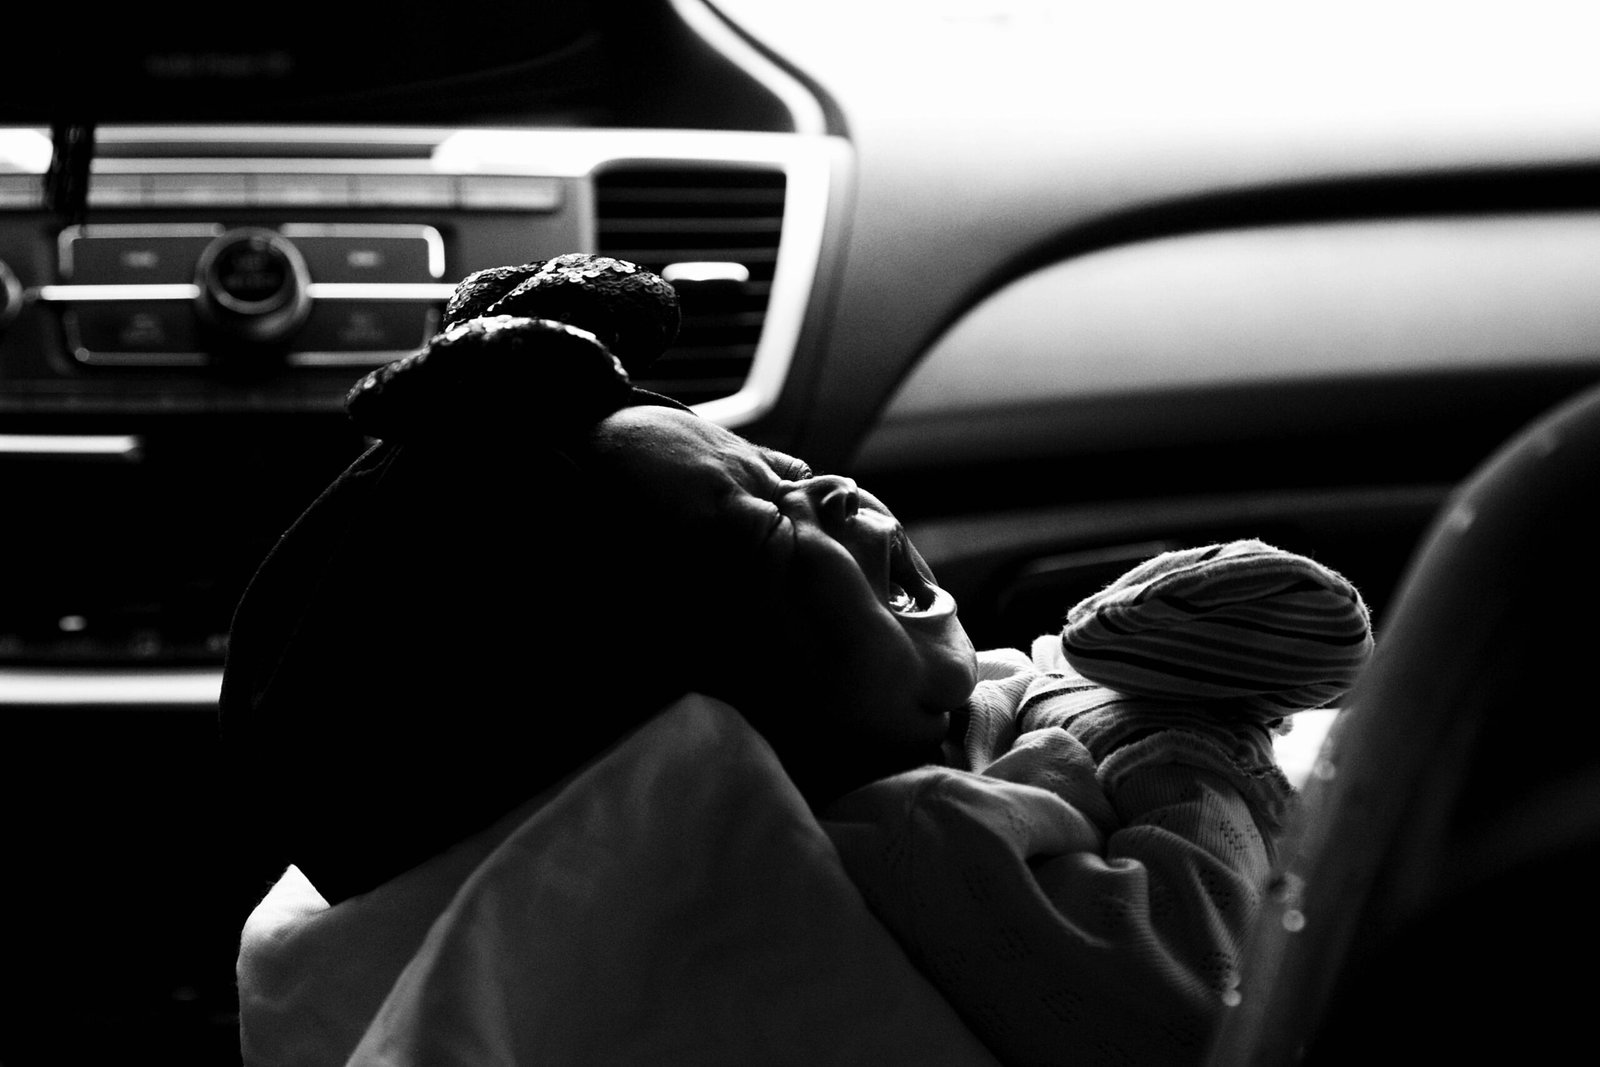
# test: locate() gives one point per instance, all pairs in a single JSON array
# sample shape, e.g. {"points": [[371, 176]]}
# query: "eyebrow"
{"points": [[783, 462]]}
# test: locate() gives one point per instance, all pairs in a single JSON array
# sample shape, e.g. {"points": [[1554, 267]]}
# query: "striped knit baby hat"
{"points": [[1245, 623]]}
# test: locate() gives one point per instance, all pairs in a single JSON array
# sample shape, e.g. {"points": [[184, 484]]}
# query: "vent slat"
{"points": [[693, 176], [679, 253], [695, 203], [765, 228]]}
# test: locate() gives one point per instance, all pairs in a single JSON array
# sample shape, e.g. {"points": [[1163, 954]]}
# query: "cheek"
{"points": [[817, 636], [824, 579], [952, 669]]}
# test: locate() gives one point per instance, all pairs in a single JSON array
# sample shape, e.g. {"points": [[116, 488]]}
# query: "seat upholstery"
{"points": [[1433, 896]]}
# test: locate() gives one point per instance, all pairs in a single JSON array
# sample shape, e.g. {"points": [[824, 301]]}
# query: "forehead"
{"points": [[670, 457]]}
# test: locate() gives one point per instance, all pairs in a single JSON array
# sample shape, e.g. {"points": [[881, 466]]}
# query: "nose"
{"points": [[836, 498]]}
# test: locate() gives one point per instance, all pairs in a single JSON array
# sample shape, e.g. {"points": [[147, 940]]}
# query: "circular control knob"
{"points": [[253, 285]]}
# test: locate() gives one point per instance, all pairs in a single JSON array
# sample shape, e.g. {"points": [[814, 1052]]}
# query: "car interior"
{"points": [[1065, 284]]}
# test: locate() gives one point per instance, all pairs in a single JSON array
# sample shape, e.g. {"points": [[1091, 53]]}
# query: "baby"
{"points": [[1072, 864]]}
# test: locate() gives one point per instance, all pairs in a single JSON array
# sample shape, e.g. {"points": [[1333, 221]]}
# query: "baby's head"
{"points": [[797, 597], [731, 568]]}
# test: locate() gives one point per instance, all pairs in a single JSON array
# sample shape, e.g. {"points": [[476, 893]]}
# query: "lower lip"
{"points": [[943, 606]]}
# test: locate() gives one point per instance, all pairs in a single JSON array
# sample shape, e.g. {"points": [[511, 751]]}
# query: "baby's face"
{"points": [[819, 605]]}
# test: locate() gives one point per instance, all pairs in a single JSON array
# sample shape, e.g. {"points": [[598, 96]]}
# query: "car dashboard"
{"points": [[1063, 285]]}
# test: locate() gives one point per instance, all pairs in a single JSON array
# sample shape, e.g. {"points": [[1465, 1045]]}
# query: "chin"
{"points": [[954, 676]]}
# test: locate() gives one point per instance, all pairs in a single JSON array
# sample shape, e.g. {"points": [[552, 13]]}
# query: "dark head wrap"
{"points": [[544, 348], [429, 644]]}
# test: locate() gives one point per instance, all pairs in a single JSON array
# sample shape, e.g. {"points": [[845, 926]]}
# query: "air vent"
{"points": [[698, 225]]}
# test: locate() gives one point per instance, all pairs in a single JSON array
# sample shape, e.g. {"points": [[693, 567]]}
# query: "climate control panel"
{"points": [[189, 295], [174, 358]]}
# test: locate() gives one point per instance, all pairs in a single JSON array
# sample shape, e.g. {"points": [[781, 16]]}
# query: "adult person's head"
{"points": [[537, 558]]}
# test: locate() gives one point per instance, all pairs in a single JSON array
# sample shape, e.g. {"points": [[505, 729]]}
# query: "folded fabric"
{"points": [[1060, 945], [675, 903], [1265, 630]]}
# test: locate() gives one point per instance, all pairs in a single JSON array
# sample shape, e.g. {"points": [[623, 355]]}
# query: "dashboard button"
{"points": [[404, 190], [144, 328], [117, 190], [252, 275], [495, 192], [141, 259], [301, 190], [342, 259], [345, 327], [21, 191], [197, 190], [253, 286]]}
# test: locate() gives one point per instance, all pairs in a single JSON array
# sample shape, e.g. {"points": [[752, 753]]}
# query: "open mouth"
{"points": [[908, 592]]}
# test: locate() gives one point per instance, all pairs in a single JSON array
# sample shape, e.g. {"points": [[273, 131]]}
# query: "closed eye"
{"points": [[786, 466]]}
